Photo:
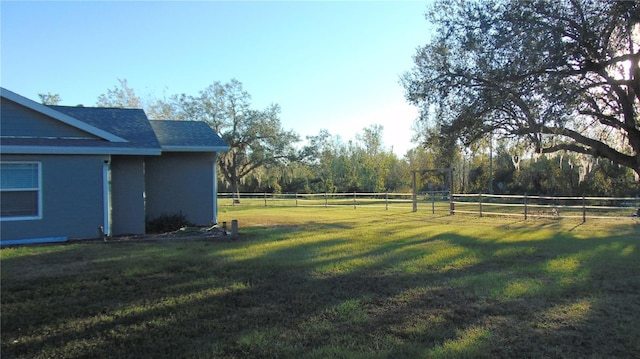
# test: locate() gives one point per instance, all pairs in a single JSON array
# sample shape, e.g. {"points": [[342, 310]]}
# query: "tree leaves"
{"points": [[531, 68], [120, 97]]}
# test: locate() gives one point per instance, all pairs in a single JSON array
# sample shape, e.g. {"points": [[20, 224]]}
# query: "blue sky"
{"points": [[329, 65]]}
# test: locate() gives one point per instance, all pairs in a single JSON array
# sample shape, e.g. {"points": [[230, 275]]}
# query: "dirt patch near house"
{"points": [[187, 233]]}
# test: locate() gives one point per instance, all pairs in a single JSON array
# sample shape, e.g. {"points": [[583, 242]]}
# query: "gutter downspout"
{"points": [[106, 196], [215, 189]]}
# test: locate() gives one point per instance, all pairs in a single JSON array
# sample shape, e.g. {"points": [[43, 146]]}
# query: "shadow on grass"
{"points": [[326, 292]]}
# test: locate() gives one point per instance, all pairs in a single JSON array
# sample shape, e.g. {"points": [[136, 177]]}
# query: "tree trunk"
{"points": [[235, 190]]}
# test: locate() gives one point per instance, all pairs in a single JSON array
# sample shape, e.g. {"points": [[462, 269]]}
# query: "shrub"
{"points": [[167, 223]]}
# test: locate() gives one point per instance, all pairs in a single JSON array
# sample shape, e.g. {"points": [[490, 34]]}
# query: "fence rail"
{"points": [[527, 207], [547, 206], [355, 199]]}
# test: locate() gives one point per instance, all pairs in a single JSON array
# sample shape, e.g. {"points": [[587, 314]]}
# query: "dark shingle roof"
{"points": [[118, 131], [187, 136], [130, 124]]}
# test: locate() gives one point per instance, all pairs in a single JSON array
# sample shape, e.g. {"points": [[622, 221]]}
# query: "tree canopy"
{"points": [[50, 98], [120, 97], [560, 75]]}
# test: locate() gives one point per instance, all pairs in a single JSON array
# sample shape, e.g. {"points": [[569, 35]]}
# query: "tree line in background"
{"points": [[362, 165], [266, 158]]}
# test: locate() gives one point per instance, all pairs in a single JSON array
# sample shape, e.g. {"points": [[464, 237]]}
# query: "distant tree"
{"points": [[609, 179], [372, 159], [121, 96], [320, 156], [256, 137], [504, 168], [163, 109], [371, 138], [398, 178], [564, 75], [49, 98], [360, 165]]}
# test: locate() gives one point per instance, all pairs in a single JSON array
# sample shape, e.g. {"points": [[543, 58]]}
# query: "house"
{"points": [[69, 172]]}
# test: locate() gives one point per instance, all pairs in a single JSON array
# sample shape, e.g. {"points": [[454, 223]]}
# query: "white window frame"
{"points": [[39, 189]]}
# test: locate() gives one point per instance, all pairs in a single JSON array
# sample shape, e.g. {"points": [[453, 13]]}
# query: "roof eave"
{"points": [[195, 148], [58, 150]]}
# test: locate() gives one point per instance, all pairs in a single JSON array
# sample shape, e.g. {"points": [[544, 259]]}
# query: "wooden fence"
{"points": [[534, 207], [382, 200], [527, 207]]}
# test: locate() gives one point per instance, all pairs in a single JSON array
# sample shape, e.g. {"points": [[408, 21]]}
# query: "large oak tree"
{"points": [[563, 75], [256, 137]]}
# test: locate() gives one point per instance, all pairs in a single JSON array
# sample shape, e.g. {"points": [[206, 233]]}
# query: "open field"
{"points": [[333, 283]]}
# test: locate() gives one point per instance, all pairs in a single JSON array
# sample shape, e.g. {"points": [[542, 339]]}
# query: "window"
{"points": [[20, 190]]}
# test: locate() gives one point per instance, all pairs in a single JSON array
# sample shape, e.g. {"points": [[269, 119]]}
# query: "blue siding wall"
{"points": [[72, 204], [127, 195], [17, 120], [181, 182]]}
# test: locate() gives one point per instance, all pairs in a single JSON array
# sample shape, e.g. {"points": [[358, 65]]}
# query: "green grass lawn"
{"points": [[333, 283]]}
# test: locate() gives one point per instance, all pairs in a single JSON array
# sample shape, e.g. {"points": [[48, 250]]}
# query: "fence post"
{"points": [[584, 210], [234, 228], [451, 204], [433, 202], [296, 199], [480, 203], [414, 195], [265, 199], [386, 201], [326, 200], [525, 206], [354, 200]]}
